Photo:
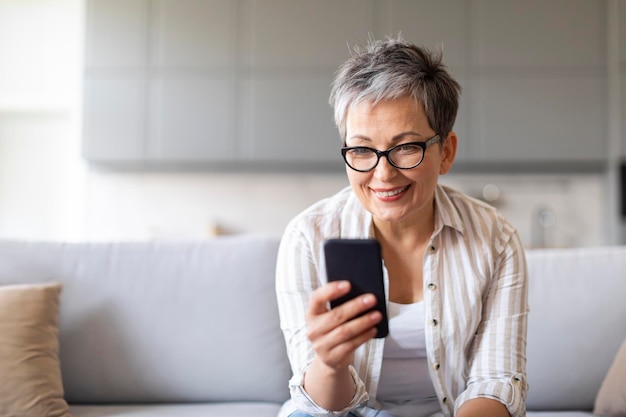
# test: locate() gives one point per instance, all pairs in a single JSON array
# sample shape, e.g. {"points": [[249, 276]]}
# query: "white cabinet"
{"points": [[302, 36], [159, 81], [537, 81], [192, 120], [247, 81], [431, 23], [215, 81], [622, 77], [623, 109], [114, 119], [293, 119], [117, 34], [192, 34], [535, 34], [542, 119], [440, 24], [289, 53]]}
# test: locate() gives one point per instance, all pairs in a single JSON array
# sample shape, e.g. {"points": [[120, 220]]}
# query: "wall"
{"points": [[529, 96], [188, 205], [41, 176], [41, 172], [47, 192]]}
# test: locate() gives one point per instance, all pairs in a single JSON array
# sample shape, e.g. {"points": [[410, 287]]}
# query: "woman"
{"points": [[454, 268]]}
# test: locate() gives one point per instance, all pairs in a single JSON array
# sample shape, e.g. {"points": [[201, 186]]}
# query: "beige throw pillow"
{"points": [[611, 399], [30, 372]]}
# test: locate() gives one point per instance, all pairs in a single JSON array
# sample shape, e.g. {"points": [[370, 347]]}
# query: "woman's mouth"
{"points": [[389, 194]]}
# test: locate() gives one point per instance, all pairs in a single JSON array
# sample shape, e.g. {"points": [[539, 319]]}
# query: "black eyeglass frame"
{"points": [[423, 145]]}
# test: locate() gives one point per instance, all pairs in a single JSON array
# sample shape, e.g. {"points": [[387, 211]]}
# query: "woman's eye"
{"points": [[361, 151], [409, 148]]}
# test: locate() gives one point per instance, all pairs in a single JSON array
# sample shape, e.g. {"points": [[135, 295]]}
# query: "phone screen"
{"points": [[358, 261]]}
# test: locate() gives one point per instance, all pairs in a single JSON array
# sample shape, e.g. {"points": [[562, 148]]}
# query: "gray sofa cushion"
{"points": [[576, 324], [162, 322], [178, 410]]}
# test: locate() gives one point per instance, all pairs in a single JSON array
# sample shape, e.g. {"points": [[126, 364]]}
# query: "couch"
{"points": [[182, 329]]}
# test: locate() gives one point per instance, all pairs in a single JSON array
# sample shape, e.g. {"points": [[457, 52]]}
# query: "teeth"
{"points": [[391, 193]]}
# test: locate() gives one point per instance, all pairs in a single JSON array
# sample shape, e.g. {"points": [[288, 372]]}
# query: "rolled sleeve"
{"points": [[498, 360], [297, 276], [509, 391], [304, 403]]}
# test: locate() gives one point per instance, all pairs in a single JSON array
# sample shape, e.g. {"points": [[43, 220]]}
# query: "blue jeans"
{"points": [[366, 411], [301, 414]]}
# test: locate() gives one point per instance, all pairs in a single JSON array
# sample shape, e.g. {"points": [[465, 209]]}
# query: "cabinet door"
{"points": [[623, 107], [192, 81], [302, 35], [159, 83], [538, 34], [290, 51], [248, 80], [192, 120], [194, 35], [115, 85], [540, 120], [430, 23], [116, 34], [289, 120], [114, 119], [538, 81], [435, 24], [622, 76]]}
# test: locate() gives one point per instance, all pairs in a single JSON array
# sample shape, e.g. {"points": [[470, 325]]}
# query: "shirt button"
{"points": [[445, 399], [433, 322], [436, 366], [432, 287], [432, 249]]}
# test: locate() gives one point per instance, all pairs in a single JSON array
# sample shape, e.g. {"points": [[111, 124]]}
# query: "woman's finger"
{"points": [[323, 295], [329, 320], [337, 347]]}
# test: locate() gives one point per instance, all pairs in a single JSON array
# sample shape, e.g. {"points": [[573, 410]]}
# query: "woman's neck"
{"points": [[410, 232]]}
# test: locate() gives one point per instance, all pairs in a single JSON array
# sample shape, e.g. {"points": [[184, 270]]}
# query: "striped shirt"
{"points": [[475, 298]]}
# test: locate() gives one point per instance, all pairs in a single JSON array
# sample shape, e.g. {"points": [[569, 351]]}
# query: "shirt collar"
{"points": [[446, 213]]}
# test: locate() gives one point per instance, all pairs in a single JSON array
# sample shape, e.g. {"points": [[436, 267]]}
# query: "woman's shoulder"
{"points": [[460, 210], [462, 200], [481, 230]]}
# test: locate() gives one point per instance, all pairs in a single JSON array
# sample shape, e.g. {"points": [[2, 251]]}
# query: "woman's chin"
{"points": [[389, 216]]}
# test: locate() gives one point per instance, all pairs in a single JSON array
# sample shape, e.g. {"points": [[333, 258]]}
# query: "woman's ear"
{"points": [[448, 152]]}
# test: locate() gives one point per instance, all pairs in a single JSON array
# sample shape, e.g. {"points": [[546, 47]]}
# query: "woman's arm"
{"points": [[497, 357], [335, 335], [320, 342], [483, 407]]}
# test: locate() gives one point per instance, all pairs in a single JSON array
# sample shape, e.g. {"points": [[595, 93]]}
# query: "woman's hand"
{"points": [[335, 335]]}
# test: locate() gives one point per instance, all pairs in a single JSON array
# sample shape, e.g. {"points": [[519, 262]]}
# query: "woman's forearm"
{"points": [[329, 388], [483, 407]]}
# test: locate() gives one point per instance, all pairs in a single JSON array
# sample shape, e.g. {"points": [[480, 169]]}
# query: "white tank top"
{"points": [[405, 388]]}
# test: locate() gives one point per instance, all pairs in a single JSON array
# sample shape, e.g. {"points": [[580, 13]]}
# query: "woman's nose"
{"points": [[384, 170]]}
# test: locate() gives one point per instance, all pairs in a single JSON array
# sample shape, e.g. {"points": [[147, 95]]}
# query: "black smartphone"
{"points": [[360, 262]]}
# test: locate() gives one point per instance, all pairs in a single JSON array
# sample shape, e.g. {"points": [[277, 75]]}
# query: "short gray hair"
{"points": [[391, 69]]}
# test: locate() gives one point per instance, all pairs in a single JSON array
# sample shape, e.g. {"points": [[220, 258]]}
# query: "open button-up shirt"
{"points": [[475, 298]]}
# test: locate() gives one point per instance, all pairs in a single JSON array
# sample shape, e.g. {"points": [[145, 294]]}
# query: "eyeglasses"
{"points": [[403, 156]]}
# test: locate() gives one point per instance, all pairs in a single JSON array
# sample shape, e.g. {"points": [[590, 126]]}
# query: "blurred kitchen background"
{"points": [[182, 119]]}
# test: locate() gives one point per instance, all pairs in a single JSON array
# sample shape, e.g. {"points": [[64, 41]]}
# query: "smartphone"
{"points": [[358, 261]]}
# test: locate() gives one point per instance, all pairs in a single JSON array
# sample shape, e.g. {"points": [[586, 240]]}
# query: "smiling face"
{"points": [[401, 196]]}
